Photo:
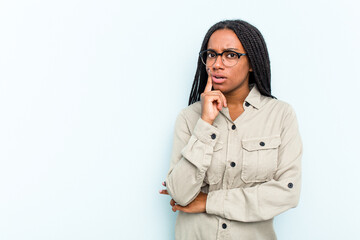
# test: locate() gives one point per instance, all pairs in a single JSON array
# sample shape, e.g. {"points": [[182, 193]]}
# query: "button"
{"points": [[290, 185], [247, 104], [224, 225], [262, 144], [233, 127], [213, 136], [232, 164]]}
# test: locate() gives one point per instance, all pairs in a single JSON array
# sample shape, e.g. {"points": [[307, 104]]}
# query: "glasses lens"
{"points": [[230, 58], [208, 57]]}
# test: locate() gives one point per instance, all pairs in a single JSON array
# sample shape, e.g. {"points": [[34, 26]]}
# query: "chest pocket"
{"points": [[260, 157]]}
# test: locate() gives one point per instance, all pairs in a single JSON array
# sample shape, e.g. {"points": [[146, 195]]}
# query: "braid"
{"points": [[255, 46]]}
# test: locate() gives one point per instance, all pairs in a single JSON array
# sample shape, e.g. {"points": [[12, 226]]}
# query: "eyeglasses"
{"points": [[229, 58]]}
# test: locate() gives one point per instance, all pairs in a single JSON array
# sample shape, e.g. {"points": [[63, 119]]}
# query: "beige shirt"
{"points": [[250, 168]]}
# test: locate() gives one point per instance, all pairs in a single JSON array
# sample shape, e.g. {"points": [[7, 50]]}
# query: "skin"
{"points": [[231, 93]]}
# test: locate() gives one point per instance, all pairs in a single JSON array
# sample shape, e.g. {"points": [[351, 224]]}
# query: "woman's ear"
{"points": [[250, 68]]}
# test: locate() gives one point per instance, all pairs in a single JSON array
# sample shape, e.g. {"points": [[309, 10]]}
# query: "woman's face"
{"points": [[228, 79]]}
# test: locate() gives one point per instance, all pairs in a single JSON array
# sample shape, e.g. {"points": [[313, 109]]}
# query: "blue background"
{"points": [[89, 93]]}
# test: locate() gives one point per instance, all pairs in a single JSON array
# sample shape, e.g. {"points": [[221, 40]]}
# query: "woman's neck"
{"points": [[237, 97]]}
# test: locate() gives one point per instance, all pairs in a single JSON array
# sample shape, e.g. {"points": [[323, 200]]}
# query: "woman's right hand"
{"points": [[211, 102]]}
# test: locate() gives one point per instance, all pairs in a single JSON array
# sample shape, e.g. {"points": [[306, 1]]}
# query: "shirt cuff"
{"points": [[215, 203], [206, 132]]}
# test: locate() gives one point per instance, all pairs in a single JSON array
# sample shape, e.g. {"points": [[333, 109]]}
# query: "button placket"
{"points": [[230, 160], [224, 229]]}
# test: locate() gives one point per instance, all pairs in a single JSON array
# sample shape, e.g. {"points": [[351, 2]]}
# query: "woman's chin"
{"points": [[219, 87]]}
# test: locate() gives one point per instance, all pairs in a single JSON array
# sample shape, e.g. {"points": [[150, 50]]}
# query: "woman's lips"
{"points": [[218, 79]]}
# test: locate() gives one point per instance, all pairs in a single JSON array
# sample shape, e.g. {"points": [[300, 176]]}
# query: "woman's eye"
{"points": [[231, 55], [211, 55]]}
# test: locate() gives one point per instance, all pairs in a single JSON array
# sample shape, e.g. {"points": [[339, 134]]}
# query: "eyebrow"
{"points": [[225, 49]]}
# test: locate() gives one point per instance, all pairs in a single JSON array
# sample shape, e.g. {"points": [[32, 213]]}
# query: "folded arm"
{"points": [[190, 159]]}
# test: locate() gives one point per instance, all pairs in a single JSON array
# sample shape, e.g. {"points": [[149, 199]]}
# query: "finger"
{"points": [[209, 83], [180, 208], [224, 102], [164, 191], [217, 99], [172, 202], [219, 104], [220, 94]]}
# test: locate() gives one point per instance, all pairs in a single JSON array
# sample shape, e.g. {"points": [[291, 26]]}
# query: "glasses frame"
{"points": [[217, 54]]}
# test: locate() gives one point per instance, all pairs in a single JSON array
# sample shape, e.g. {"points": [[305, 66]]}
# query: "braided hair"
{"points": [[253, 43]]}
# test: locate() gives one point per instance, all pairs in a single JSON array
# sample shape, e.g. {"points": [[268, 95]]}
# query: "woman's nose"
{"points": [[218, 62]]}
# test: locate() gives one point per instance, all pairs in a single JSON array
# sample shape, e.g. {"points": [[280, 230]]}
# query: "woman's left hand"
{"points": [[198, 205]]}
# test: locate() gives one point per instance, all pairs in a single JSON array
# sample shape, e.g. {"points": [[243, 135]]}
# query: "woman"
{"points": [[236, 159]]}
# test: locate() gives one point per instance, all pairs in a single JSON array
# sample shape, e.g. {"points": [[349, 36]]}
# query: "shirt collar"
{"points": [[254, 96]]}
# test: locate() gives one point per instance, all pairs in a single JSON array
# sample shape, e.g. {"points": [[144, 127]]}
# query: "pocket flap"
{"points": [[260, 143]]}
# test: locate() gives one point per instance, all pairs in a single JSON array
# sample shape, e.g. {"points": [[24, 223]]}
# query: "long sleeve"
{"points": [[266, 200], [191, 156]]}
